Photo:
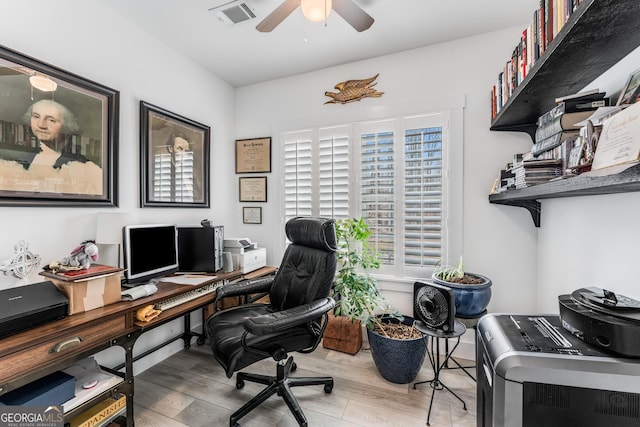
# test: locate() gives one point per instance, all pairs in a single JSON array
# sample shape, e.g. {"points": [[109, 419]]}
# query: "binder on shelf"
{"points": [[101, 413]]}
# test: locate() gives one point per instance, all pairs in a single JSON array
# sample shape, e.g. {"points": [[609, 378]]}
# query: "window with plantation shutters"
{"points": [[388, 171], [173, 177]]}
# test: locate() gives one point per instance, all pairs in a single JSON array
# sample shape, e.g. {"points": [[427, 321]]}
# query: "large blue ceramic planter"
{"points": [[471, 300], [397, 360]]}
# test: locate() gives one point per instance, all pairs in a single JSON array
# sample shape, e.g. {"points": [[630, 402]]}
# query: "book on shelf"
{"points": [[546, 22], [101, 413], [564, 122], [534, 172], [83, 274], [571, 106], [553, 141], [587, 95]]}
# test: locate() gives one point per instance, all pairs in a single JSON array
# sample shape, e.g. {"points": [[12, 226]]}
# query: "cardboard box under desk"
{"points": [[88, 294]]}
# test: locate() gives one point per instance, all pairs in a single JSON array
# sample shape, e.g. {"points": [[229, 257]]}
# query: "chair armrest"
{"points": [[245, 287], [285, 319]]}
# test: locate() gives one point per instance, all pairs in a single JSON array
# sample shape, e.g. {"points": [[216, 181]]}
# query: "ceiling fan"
{"points": [[347, 9]]}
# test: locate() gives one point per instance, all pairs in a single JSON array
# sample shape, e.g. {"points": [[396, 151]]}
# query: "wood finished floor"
{"points": [[191, 389]]}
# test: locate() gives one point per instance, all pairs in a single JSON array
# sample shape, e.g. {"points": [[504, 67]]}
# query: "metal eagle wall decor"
{"points": [[354, 90]]}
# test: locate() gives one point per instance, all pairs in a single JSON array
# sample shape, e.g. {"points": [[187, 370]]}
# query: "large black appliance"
{"points": [[603, 318], [532, 372], [24, 307]]}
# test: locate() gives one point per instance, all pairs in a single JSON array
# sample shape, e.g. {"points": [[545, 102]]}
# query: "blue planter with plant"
{"points": [[397, 350], [398, 360], [472, 291]]}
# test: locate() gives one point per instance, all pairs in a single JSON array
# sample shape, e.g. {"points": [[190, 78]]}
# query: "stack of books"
{"points": [[533, 172], [559, 128]]}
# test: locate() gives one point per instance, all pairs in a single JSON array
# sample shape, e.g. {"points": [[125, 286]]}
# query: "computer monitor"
{"points": [[150, 251]]}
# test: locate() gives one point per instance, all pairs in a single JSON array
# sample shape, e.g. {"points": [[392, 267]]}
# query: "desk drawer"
{"points": [[68, 344]]}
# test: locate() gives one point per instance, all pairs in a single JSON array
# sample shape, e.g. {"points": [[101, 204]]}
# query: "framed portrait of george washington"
{"points": [[174, 159], [58, 136]]}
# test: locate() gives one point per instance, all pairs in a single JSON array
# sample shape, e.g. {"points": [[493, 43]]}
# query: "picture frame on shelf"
{"points": [[251, 215], [58, 136], [253, 155], [174, 159], [253, 189], [631, 90]]}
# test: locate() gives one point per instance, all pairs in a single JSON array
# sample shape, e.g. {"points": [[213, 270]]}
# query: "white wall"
{"points": [[90, 40], [591, 240], [499, 242]]}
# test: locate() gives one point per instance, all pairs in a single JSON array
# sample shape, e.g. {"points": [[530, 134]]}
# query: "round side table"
{"points": [[433, 350]]}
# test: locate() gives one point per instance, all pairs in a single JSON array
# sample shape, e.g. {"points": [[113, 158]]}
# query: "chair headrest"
{"points": [[314, 232]]}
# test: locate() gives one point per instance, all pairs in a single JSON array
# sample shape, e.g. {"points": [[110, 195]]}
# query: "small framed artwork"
{"points": [[251, 215], [174, 159], [253, 189], [58, 136], [253, 155], [631, 91]]}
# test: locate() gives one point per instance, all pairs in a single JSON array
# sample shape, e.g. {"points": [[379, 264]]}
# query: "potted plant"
{"points": [[472, 291], [398, 349]]}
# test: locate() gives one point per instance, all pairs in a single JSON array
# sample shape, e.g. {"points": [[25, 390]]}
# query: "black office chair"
{"points": [[293, 320]]}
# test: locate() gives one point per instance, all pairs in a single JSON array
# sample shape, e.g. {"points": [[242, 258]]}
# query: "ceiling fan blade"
{"points": [[277, 16], [353, 14]]}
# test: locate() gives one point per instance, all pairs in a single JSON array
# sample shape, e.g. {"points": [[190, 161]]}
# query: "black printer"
{"points": [[25, 307]]}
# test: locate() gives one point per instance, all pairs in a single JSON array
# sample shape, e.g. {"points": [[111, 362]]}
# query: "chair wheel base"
{"points": [[280, 385]]}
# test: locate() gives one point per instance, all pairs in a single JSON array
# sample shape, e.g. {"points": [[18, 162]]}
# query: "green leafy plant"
{"points": [[356, 291], [449, 272], [456, 274]]}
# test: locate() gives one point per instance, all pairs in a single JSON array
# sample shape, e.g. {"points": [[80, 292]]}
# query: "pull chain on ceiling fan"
{"points": [[347, 9]]}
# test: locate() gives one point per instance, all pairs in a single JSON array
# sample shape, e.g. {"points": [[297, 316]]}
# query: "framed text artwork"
{"points": [[631, 91], [251, 215], [174, 159], [253, 189], [58, 136], [253, 155]]}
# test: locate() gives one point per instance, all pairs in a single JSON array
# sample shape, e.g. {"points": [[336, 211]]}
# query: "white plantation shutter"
{"points": [[297, 174], [333, 172], [173, 177], [422, 194], [391, 174], [377, 185]]}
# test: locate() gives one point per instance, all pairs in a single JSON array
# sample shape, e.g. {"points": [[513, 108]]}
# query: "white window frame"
{"points": [[452, 180]]}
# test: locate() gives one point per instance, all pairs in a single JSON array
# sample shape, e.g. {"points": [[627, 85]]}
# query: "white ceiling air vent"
{"points": [[234, 12]]}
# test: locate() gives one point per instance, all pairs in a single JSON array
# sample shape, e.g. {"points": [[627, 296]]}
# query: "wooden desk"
{"points": [[34, 353]]}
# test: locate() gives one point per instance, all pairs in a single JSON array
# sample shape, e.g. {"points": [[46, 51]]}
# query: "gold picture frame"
{"points": [[253, 155]]}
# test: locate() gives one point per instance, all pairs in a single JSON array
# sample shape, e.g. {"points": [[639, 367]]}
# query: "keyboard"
{"points": [[187, 296]]}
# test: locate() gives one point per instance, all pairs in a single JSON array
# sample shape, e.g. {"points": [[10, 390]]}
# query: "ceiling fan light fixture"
{"points": [[43, 83], [316, 10]]}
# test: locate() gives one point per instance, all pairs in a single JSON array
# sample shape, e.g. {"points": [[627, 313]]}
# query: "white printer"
{"points": [[247, 256]]}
